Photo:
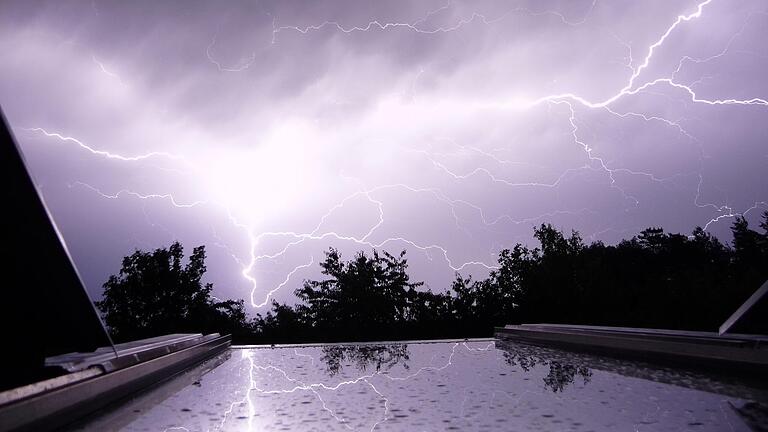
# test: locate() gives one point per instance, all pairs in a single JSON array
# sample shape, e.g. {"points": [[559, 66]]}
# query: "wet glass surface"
{"points": [[473, 385]]}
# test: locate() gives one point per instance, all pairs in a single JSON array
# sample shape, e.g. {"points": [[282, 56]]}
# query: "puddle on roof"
{"points": [[475, 385]]}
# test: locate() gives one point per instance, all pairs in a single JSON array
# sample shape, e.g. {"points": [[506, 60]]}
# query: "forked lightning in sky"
{"points": [[449, 130]]}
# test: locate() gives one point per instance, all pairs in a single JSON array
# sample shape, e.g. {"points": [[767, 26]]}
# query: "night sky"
{"points": [[269, 131]]}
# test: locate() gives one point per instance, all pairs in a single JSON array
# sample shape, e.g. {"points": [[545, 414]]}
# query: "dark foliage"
{"points": [[154, 294], [655, 279], [562, 368], [362, 357], [366, 298]]}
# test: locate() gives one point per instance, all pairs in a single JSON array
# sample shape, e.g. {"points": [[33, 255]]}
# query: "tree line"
{"points": [[655, 279]]}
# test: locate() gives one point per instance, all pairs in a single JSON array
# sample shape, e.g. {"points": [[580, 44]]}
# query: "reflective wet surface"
{"points": [[472, 385]]}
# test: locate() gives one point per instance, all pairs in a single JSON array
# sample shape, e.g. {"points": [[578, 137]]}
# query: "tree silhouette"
{"points": [[562, 367], [655, 279], [364, 356], [365, 298], [154, 294], [360, 298]]}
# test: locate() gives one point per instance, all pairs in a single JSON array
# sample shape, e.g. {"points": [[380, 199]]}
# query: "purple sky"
{"points": [[269, 131]]}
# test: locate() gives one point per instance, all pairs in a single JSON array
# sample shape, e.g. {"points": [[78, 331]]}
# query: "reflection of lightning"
{"points": [[299, 386], [246, 398], [385, 416], [487, 347], [298, 354], [101, 152], [295, 385]]}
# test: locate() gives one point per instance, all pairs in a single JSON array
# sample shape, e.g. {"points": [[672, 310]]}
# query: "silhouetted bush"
{"points": [[366, 298], [655, 279], [155, 295]]}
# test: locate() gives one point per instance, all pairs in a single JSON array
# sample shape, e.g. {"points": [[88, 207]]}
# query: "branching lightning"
{"points": [[123, 192], [420, 25], [295, 385], [593, 162], [104, 153], [568, 106], [109, 73], [241, 66]]}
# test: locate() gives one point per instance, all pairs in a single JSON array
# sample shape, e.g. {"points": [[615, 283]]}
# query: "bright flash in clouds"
{"points": [[263, 179], [271, 131]]}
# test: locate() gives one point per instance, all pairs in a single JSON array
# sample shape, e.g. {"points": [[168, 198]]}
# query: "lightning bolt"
{"points": [[108, 72], [567, 105], [473, 373], [241, 66], [296, 385], [419, 26], [103, 153], [633, 86], [287, 279], [123, 192]]}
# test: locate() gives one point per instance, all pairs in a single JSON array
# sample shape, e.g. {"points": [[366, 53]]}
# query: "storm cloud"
{"points": [[269, 131]]}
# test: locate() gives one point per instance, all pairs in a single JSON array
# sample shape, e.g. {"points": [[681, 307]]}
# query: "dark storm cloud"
{"points": [[288, 127]]}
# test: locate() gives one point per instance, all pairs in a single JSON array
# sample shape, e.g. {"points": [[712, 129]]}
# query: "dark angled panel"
{"points": [[751, 316], [44, 308]]}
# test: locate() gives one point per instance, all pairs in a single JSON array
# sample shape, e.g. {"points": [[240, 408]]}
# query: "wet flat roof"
{"points": [[448, 385], [739, 353], [90, 381]]}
